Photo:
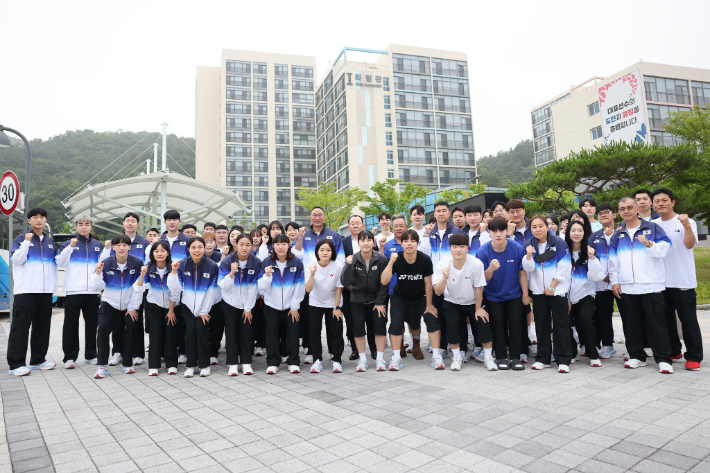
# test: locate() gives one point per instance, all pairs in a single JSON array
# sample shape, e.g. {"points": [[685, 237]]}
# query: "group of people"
{"points": [[477, 277]]}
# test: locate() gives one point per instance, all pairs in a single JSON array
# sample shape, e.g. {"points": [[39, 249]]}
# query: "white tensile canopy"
{"points": [[150, 195]]}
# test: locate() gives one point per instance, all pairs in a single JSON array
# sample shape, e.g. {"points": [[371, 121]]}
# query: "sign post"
{"points": [[9, 193]]}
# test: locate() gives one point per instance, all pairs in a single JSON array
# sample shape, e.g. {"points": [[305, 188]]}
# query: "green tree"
{"points": [[609, 172], [386, 197], [694, 126], [338, 206], [458, 194], [514, 166]]}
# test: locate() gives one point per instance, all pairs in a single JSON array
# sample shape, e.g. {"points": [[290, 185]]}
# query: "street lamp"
{"points": [[5, 143]]}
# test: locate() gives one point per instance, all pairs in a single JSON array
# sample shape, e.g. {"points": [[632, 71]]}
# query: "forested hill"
{"points": [[63, 163], [513, 166]]}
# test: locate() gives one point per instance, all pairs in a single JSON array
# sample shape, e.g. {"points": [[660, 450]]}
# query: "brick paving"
{"points": [[594, 419]]}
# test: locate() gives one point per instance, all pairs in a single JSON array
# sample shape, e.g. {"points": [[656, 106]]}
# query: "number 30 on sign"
{"points": [[9, 192]]}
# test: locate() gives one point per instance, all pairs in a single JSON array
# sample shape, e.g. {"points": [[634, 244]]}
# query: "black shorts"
{"points": [[364, 315], [410, 310]]}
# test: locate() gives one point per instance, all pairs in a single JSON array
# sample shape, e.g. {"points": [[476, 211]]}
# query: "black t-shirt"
{"points": [[410, 277]]}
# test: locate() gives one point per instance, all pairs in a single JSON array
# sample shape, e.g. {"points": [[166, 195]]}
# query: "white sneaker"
{"points": [[563, 369], [337, 367], [574, 359], [69, 365], [348, 342], [481, 357], [595, 363], [456, 364], [470, 339], [92, 361], [258, 351], [172, 370], [649, 352], [665, 368], [532, 351], [284, 359], [300, 342], [476, 351], [272, 370], [128, 370], [464, 357], [115, 360], [204, 372], [437, 362], [381, 365], [189, 372], [137, 361], [607, 352], [21, 371], [633, 364], [539, 366], [294, 369], [317, 367], [490, 364], [44, 366], [152, 372], [213, 360], [182, 359], [233, 370], [308, 359], [626, 356], [523, 358], [582, 351], [101, 371], [362, 366], [246, 369], [396, 364]]}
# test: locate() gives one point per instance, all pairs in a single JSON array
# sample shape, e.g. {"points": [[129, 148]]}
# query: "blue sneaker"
{"points": [[20, 371], [44, 366]]}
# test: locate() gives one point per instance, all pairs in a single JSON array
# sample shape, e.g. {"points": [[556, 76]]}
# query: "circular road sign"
{"points": [[9, 192]]}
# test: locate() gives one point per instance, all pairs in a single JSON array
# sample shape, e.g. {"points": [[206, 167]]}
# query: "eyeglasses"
{"points": [[498, 211]]}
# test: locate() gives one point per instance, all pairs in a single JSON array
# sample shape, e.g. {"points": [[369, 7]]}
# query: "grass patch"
{"points": [[702, 269]]}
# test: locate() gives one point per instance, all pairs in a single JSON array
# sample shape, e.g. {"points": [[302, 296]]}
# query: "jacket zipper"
{"points": [[633, 274], [120, 300], [87, 265], [41, 254], [282, 290], [194, 303]]}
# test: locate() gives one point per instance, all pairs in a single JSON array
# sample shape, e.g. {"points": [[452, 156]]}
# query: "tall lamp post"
{"points": [[5, 143]]}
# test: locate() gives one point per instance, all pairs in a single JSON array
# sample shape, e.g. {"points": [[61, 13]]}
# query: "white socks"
{"points": [[488, 352], [380, 356], [574, 331], [470, 333], [436, 351], [456, 352], [396, 355], [530, 335], [363, 357]]}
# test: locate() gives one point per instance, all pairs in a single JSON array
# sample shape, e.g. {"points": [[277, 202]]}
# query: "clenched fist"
{"points": [[99, 268], [530, 250], [447, 272], [684, 220], [175, 266], [375, 229], [264, 239], [73, 242], [268, 270], [590, 252], [483, 228], [313, 269], [644, 241], [495, 264], [301, 232], [107, 244], [608, 231], [28, 236], [349, 259], [428, 228], [393, 257], [511, 228], [144, 269], [383, 241], [234, 268]]}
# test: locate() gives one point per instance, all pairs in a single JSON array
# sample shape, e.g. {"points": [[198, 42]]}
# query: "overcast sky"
{"points": [[130, 65]]}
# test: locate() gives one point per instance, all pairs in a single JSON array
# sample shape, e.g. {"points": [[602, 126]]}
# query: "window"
{"points": [[261, 210], [283, 180], [283, 210], [283, 152], [239, 81], [306, 99], [304, 112], [390, 174], [666, 139], [261, 138], [596, 133], [283, 196], [281, 84], [390, 157], [304, 153], [388, 138], [281, 97], [544, 142], [544, 156], [283, 166], [259, 68], [238, 137], [239, 108], [301, 71], [387, 102], [260, 124], [388, 120], [238, 94], [386, 84], [261, 152], [239, 66], [304, 140], [659, 89], [261, 180], [281, 111], [245, 193], [260, 96], [302, 181], [282, 138], [238, 122], [593, 109], [239, 165], [234, 151], [701, 93], [238, 180], [259, 109], [280, 69], [261, 195], [261, 166], [281, 124], [297, 84], [543, 128], [260, 82], [541, 114], [304, 168]]}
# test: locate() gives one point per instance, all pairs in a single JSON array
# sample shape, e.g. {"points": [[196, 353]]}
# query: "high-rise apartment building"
{"points": [[406, 115], [576, 118], [255, 129]]}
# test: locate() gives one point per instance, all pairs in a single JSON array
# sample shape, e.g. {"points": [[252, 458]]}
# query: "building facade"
{"points": [[572, 120], [406, 115], [255, 129]]}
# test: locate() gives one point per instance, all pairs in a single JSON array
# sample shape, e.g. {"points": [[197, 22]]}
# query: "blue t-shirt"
{"points": [[505, 283], [392, 247]]}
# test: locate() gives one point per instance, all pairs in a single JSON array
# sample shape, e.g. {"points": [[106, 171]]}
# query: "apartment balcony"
{"points": [[667, 98], [414, 105]]}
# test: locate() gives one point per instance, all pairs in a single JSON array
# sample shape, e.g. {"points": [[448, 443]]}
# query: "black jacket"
{"points": [[365, 286]]}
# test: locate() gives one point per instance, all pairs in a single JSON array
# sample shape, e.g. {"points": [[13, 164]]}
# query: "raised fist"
{"points": [[175, 266], [313, 269], [268, 270], [72, 242], [99, 268], [28, 236], [530, 250], [643, 240], [495, 264], [427, 228], [511, 228], [264, 239], [608, 231], [383, 241], [144, 269], [107, 244], [447, 272], [349, 259], [393, 257], [483, 228], [235, 267], [375, 229], [683, 219], [590, 251], [301, 232]]}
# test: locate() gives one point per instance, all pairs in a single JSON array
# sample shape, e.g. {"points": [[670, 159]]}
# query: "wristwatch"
{"points": [[552, 289]]}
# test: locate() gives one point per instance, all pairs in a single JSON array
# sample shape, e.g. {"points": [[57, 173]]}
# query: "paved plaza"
{"points": [[592, 420]]}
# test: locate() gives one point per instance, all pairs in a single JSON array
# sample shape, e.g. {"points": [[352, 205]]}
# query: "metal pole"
{"points": [[155, 157], [163, 196], [165, 125], [9, 246], [27, 177], [148, 163]]}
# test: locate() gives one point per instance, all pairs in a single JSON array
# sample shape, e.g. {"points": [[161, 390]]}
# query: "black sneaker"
{"points": [[517, 366], [354, 356], [373, 354], [503, 365]]}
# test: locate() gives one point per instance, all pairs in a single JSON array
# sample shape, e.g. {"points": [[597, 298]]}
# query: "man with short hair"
{"points": [[152, 235], [589, 207], [189, 229], [417, 214], [221, 233], [604, 299], [458, 218], [644, 202], [350, 247], [680, 279], [79, 257], [34, 282], [385, 220], [209, 227], [637, 275]]}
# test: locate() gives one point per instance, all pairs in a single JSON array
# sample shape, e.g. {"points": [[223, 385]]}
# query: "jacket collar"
{"points": [[252, 261], [375, 255], [289, 262], [449, 229], [552, 241], [113, 263]]}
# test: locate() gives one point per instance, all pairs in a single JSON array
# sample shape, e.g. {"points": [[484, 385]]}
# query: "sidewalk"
{"points": [[603, 419]]}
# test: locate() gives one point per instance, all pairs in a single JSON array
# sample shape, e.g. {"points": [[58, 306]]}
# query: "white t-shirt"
{"points": [[121, 267], [419, 231], [390, 237], [281, 266], [242, 264], [162, 271], [460, 287], [325, 283], [356, 245], [441, 234], [679, 261], [171, 240]]}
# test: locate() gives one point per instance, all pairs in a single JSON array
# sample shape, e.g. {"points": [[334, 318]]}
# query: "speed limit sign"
{"points": [[9, 192]]}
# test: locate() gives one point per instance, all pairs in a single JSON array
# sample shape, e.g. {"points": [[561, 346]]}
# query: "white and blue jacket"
{"points": [[583, 278], [118, 285], [35, 270], [639, 270], [139, 248], [437, 248], [157, 286], [310, 240], [540, 275], [198, 284], [600, 242], [242, 291], [283, 290], [79, 261], [480, 238], [178, 249]]}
